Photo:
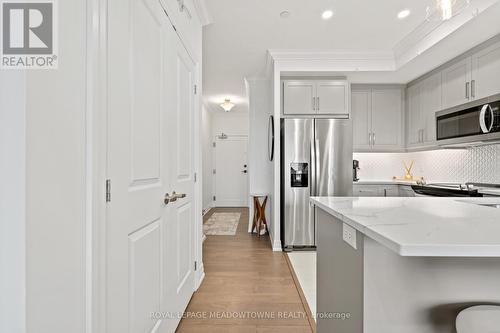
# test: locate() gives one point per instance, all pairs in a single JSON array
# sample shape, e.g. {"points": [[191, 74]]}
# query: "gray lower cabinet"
{"points": [[363, 190], [339, 279], [371, 289]]}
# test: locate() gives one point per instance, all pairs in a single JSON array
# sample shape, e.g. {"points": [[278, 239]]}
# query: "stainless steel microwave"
{"points": [[473, 123]]}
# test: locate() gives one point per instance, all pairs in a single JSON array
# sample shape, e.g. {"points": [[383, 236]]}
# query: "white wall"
{"points": [[230, 123], [481, 164], [207, 157], [12, 202], [261, 169], [55, 183]]}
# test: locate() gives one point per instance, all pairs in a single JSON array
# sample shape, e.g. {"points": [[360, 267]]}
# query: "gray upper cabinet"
{"points": [[377, 114], [361, 111], [456, 83], [430, 103], [486, 72], [316, 97], [299, 97], [472, 78], [415, 119], [332, 97], [424, 100]]}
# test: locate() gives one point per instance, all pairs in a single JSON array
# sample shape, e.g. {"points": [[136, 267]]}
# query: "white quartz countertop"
{"points": [[423, 226]]}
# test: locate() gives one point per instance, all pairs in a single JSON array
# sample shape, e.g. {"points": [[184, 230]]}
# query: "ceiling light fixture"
{"points": [[285, 14], [403, 14], [444, 10], [227, 105], [327, 14]]}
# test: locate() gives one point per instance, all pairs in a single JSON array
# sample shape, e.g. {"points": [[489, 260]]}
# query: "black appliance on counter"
{"points": [[355, 168]]}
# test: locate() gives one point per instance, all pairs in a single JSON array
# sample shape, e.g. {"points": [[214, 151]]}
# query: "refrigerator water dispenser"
{"points": [[299, 174]]}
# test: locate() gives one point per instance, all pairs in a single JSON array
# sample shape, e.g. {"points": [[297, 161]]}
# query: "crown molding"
{"points": [[333, 61], [201, 9]]}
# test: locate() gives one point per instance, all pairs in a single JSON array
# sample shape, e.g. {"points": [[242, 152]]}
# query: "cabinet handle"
{"points": [[467, 84], [317, 99], [473, 88], [314, 103], [370, 139], [373, 138]]}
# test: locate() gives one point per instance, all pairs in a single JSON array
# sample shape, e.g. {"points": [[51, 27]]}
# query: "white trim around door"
{"points": [[230, 171]]}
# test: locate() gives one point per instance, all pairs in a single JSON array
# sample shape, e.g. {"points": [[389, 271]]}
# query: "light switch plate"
{"points": [[349, 235]]}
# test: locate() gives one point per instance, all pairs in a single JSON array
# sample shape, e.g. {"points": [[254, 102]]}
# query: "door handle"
{"points": [[172, 198]]}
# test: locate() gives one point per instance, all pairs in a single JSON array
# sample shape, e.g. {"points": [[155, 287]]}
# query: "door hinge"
{"points": [[195, 265], [195, 177], [214, 171], [195, 89], [108, 190], [215, 198], [214, 144]]}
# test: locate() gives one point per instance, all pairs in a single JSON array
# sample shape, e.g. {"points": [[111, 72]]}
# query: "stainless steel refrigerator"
{"points": [[316, 160]]}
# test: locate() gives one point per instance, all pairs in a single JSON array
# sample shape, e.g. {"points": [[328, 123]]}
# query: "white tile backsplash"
{"points": [[480, 164]]}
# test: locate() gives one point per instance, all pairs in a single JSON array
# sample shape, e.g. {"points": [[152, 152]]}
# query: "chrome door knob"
{"points": [[172, 198]]}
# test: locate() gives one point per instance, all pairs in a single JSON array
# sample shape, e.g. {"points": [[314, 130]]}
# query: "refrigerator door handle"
{"points": [[317, 170], [313, 167]]}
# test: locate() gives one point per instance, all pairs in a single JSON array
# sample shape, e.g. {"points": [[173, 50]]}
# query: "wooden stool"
{"points": [[259, 214]]}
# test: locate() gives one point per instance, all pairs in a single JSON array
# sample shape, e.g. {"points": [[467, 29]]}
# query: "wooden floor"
{"points": [[244, 279]]}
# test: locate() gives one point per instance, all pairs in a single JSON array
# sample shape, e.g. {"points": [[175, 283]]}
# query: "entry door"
{"points": [[231, 172], [149, 245]]}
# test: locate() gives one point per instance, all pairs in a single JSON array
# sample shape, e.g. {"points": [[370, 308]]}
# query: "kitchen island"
{"points": [[404, 264]]}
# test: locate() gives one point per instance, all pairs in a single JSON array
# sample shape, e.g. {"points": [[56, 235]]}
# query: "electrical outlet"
{"points": [[349, 235]]}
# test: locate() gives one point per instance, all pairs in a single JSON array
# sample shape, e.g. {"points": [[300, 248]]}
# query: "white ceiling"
{"points": [[235, 45]]}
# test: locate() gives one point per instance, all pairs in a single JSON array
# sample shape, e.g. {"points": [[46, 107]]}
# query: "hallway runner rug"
{"points": [[222, 224]]}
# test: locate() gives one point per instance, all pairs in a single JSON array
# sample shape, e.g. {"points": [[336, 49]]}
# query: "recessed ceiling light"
{"points": [[403, 14], [327, 14], [285, 14]]}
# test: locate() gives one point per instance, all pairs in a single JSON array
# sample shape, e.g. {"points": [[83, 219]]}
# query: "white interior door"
{"points": [[180, 229], [149, 245], [231, 172]]}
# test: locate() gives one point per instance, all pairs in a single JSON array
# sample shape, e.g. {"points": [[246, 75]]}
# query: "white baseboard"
{"points": [[208, 208], [200, 276], [276, 246]]}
